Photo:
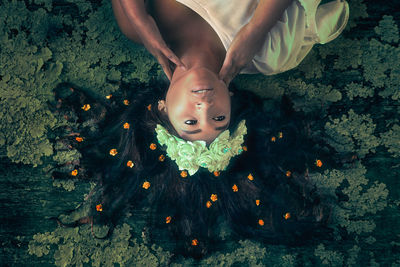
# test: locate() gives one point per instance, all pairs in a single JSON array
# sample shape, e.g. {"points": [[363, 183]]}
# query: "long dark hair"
{"points": [[264, 193]]}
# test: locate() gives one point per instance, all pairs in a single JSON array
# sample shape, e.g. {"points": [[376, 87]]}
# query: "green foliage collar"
{"points": [[191, 155]]}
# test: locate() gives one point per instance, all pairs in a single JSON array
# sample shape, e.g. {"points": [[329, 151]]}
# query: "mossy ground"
{"points": [[349, 88]]}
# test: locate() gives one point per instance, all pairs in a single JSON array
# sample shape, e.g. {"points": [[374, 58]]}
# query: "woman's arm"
{"points": [[149, 34], [250, 38]]}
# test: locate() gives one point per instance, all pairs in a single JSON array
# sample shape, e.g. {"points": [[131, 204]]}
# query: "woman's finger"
{"points": [[172, 57], [165, 66]]}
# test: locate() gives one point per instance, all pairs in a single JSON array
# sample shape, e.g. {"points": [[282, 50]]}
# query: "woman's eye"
{"points": [[191, 122], [219, 118]]}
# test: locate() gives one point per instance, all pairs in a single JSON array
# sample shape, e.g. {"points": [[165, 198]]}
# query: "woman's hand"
{"points": [[244, 46], [155, 44]]}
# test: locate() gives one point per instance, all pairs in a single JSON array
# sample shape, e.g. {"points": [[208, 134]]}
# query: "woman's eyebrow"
{"points": [[199, 130]]}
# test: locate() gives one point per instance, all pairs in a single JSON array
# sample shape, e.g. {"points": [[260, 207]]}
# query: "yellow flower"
{"points": [[318, 163], [99, 207], [126, 125], [184, 174], [195, 242], [153, 146], [146, 185], [244, 148], [79, 139], [250, 176], [86, 107], [216, 173], [126, 102], [149, 107], [257, 202], [208, 204], [108, 96], [280, 135], [214, 197], [235, 188], [130, 164], [161, 158], [273, 139], [261, 222], [288, 173], [168, 219], [113, 152], [74, 172], [287, 215]]}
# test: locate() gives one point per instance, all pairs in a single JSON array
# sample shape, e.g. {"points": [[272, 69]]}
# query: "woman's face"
{"points": [[198, 105]]}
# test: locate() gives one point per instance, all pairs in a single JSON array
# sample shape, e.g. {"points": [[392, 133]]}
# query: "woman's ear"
{"points": [[162, 106]]}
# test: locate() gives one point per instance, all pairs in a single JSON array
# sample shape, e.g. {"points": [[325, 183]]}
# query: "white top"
{"points": [[303, 24]]}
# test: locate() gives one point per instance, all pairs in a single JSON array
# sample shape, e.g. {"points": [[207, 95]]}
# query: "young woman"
{"points": [[198, 159]]}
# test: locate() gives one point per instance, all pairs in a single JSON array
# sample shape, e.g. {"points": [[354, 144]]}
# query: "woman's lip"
{"points": [[202, 87], [203, 93]]}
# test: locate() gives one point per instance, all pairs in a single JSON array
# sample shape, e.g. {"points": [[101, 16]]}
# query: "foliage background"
{"points": [[350, 88]]}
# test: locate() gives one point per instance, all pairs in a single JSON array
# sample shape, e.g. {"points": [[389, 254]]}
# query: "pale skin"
{"points": [[193, 58]]}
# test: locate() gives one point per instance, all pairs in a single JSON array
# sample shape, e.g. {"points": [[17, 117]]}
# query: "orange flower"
{"points": [[273, 139], [108, 96], [149, 107], [126, 102], [235, 188], [280, 134], [86, 107], [287, 215], [318, 163], [195, 242], [216, 173], [261, 222], [79, 139], [184, 174], [208, 204], [113, 152], [244, 148], [99, 207], [130, 164], [250, 176], [146, 185], [74, 172], [126, 125], [214, 197], [153, 146], [257, 202], [288, 173], [161, 158], [168, 219]]}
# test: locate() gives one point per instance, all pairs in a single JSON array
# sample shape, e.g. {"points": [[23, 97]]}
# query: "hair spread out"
{"points": [[264, 193]]}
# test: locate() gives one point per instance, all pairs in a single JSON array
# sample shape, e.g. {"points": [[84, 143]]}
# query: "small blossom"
{"points": [[257, 202], [216, 173], [214, 197], [149, 107], [235, 188], [99, 207], [72, 89], [184, 174], [261, 222], [161, 158], [79, 139], [126, 102], [130, 164], [280, 134], [273, 139], [168, 219], [74, 172], [113, 152], [195, 242], [146, 185], [250, 177], [318, 163], [288, 173], [126, 125], [153, 146], [86, 107], [108, 96], [244, 148], [286, 215], [208, 204]]}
